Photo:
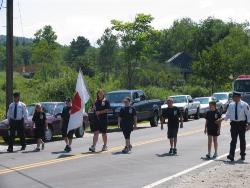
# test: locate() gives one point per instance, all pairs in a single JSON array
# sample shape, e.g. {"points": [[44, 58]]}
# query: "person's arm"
{"points": [[205, 130], [33, 121], [181, 119], [8, 113], [247, 113], [46, 122], [25, 112], [135, 122], [162, 121]]}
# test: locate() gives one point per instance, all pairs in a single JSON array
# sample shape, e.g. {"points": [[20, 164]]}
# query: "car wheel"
{"points": [[197, 115], [154, 120], [80, 131], [186, 115], [48, 134], [6, 139]]}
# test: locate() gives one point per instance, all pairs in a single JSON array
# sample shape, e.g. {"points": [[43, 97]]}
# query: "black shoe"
{"points": [[208, 156], [243, 158], [175, 151], [230, 157], [10, 150], [170, 151], [67, 148], [23, 148]]}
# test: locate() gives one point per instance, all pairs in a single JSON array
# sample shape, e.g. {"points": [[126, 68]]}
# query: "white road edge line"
{"points": [[164, 180]]}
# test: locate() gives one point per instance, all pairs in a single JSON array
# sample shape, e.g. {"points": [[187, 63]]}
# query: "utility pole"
{"points": [[9, 54]]}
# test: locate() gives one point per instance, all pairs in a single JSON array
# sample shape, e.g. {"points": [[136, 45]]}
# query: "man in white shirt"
{"points": [[17, 114], [239, 114]]}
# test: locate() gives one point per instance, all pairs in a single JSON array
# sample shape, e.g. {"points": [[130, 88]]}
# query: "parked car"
{"points": [[224, 97], [187, 105], [146, 109], [53, 112], [204, 107]]}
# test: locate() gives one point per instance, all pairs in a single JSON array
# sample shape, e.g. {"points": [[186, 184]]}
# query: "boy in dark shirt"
{"points": [[68, 136], [174, 116], [40, 125], [212, 129], [127, 121]]}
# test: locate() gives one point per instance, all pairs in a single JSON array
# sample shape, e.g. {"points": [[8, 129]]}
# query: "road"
{"points": [[148, 162]]}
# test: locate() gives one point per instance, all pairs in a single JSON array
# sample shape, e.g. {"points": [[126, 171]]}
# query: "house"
{"points": [[183, 61]]}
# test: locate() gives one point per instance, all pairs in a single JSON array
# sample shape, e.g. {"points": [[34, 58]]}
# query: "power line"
{"points": [[20, 17]]}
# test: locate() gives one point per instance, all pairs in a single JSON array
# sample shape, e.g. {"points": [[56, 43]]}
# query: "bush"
{"points": [[157, 93], [194, 91]]}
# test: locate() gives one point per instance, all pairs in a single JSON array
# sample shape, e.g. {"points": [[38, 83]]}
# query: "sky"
{"points": [[89, 18]]}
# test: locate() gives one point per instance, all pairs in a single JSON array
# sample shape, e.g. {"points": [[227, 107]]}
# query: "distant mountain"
{"points": [[20, 40]]}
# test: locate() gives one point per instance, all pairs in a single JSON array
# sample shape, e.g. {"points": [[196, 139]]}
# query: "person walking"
{"points": [[239, 115], [175, 118], [212, 129], [17, 114], [100, 123], [67, 136], [40, 125], [127, 121]]}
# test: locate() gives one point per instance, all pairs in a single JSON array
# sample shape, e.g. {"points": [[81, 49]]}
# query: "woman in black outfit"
{"points": [[40, 125], [100, 109]]}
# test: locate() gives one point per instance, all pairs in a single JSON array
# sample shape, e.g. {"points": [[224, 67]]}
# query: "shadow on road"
{"points": [[64, 156], [120, 153], [166, 155], [27, 176]]}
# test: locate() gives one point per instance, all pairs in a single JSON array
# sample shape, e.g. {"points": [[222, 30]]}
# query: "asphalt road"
{"points": [[148, 162]]}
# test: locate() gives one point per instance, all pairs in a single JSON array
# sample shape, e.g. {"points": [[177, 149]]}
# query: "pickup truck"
{"points": [[187, 105], [145, 109]]}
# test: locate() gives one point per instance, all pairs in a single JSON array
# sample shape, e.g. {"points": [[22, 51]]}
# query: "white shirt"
{"points": [[243, 112], [22, 112]]}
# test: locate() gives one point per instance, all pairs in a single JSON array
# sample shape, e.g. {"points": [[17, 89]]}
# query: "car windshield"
{"points": [[117, 97], [220, 96], [47, 108], [179, 99], [202, 100], [242, 85]]}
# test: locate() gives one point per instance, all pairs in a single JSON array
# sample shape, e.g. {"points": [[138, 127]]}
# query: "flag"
{"points": [[79, 100]]}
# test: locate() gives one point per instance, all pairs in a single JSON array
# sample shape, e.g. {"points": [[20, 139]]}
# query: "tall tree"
{"points": [[108, 45], [77, 48], [134, 39], [46, 33]]}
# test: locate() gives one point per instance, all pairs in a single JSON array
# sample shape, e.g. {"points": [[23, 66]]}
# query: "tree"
{"points": [[133, 37], [77, 48], [46, 33], [108, 45]]}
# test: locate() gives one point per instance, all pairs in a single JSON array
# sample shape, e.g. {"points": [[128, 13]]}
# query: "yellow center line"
{"points": [[78, 156]]}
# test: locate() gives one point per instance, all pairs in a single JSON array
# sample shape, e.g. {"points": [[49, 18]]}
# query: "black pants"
{"points": [[238, 129], [16, 125]]}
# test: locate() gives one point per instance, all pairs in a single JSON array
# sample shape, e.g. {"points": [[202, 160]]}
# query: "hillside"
{"points": [[21, 40]]}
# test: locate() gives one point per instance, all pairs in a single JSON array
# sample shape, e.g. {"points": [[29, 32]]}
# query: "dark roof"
{"points": [[125, 90], [181, 60]]}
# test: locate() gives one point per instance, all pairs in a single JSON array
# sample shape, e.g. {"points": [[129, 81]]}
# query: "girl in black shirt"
{"points": [[100, 125], [212, 129], [40, 125], [127, 121]]}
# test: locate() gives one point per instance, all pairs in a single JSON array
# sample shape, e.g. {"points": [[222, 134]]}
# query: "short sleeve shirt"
{"points": [[102, 105], [66, 115], [127, 115], [173, 115], [39, 119], [211, 117]]}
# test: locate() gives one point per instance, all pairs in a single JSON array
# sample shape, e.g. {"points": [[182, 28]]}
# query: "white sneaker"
{"points": [[104, 148]]}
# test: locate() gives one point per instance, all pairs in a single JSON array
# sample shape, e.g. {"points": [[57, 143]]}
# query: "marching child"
{"points": [[40, 125], [127, 121], [174, 116], [212, 129]]}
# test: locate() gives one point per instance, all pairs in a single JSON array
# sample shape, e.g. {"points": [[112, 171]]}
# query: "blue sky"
{"points": [[89, 18]]}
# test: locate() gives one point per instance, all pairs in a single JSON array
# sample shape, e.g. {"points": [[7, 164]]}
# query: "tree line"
{"points": [[133, 54]]}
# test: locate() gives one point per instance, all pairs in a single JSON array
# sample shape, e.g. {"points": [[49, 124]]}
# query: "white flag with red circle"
{"points": [[79, 100]]}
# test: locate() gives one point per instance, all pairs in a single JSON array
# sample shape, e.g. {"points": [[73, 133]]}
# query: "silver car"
{"points": [[204, 108]]}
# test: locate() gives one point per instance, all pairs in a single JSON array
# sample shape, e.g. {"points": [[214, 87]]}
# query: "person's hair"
{"points": [[38, 105], [213, 103], [127, 98], [97, 93]]}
